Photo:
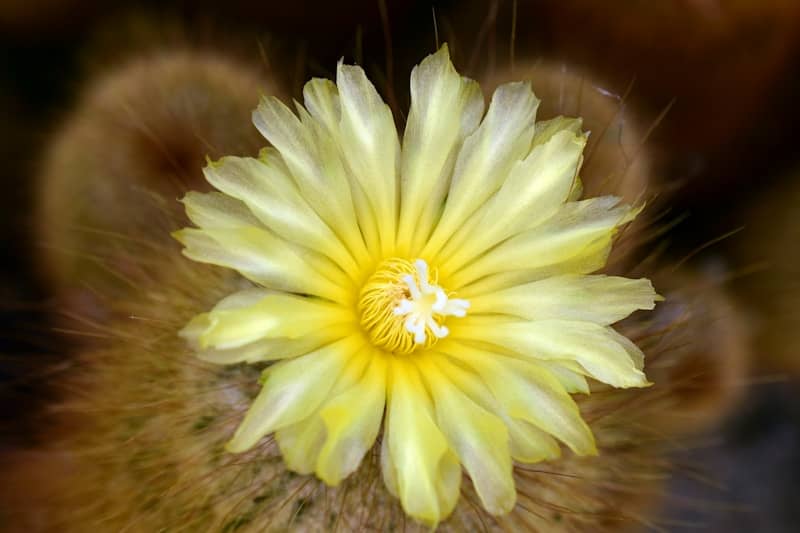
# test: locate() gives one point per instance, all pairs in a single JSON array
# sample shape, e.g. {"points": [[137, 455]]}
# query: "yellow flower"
{"points": [[434, 292]]}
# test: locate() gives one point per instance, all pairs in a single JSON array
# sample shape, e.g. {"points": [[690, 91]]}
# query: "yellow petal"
{"points": [[273, 197], [293, 390], [570, 233], [321, 99], [253, 347], [532, 394], [368, 138], [600, 299], [367, 221], [302, 443], [217, 210], [486, 157], [275, 315], [445, 108], [569, 374], [268, 260], [200, 324], [590, 259], [315, 166], [388, 470], [243, 298], [535, 189], [273, 349], [526, 442], [323, 119], [577, 190], [529, 444], [352, 420], [479, 438], [605, 354], [425, 473], [546, 129]]}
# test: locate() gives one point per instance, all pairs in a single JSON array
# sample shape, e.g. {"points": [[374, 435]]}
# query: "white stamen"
{"points": [[456, 307], [412, 286], [426, 300], [441, 301], [422, 273]]}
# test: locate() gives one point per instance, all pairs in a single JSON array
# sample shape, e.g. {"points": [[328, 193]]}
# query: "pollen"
{"points": [[403, 309]]}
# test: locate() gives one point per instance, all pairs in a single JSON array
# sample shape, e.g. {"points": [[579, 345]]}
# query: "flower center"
{"points": [[402, 309]]}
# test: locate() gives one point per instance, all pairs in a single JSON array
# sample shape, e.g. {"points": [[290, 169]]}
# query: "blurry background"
{"points": [[713, 85]]}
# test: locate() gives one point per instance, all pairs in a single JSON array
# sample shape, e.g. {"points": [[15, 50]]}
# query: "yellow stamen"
{"points": [[402, 309]]}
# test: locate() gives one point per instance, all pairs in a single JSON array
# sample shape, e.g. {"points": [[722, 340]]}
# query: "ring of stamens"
{"points": [[402, 309]]}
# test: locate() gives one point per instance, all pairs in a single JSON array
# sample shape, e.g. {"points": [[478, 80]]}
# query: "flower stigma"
{"points": [[402, 309]]}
